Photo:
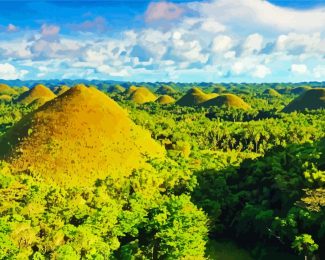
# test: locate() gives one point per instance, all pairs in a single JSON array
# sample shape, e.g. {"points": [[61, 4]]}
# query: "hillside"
{"points": [[165, 99], [165, 90], [228, 100], [271, 92], [311, 99], [116, 89], [76, 138], [142, 95], [195, 96], [6, 90], [39, 91], [60, 90]]}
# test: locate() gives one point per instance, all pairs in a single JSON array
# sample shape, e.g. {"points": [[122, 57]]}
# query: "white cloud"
{"points": [[261, 71], [319, 72], [8, 71], [253, 44], [221, 44], [299, 68]]}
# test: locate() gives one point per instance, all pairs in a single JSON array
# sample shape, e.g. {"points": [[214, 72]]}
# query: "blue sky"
{"points": [[214, 40]]}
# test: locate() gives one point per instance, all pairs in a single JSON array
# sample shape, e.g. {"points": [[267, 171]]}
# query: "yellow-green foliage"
{"points": [[228, 100], [61, 89], [142, 95], [165, 99], [310, 99], [77, 138], [39, 91], [116, 89], [272, 92], [6, 90], [165, 90], [195, 96], [5, 98]]}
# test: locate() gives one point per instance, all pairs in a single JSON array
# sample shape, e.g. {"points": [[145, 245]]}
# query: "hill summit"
{"points": [[165, 100], [38, 92], [142, 95], [6, 90], [228, 100], [311, 99], [195, 96], [80, 136]]}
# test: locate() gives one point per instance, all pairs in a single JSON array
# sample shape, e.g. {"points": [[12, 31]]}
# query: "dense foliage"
{"points": [[253, 176]]}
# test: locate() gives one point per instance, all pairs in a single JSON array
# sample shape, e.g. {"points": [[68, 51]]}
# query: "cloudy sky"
{"points": [[138, 40]]}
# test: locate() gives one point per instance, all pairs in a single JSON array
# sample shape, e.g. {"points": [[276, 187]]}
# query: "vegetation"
{"points": [[87, 176]]}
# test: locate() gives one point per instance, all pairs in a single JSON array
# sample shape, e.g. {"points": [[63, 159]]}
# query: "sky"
{"points": [[181, 41]]}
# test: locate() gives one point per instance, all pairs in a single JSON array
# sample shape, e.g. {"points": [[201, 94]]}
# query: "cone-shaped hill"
{"points": [[116, 89], [77, 138], [6, 90], [142, 95], [61, 89], [299, 90], [272, 93], [165, 90], [165, 100], [130, 90], [39, 91], [310, 99], [5, 98], [219, 89], [195, 96], [228, 100]]}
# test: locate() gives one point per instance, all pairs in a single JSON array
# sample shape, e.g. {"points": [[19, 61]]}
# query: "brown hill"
{"points": [[60, 90], [142, 95], [77, 138], [5, 99], [195, 96], [219, 89], [300, 90], [165, 90], [116, 89], [131, 90], [6, 90], [165, 99], [228, 100], [39, 91], [310, 99], [271, 92]]}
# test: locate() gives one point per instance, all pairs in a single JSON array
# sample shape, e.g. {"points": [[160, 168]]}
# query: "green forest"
{"points": [[239, 172]]}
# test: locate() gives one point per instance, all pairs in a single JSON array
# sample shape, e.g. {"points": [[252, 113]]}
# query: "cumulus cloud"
{"points": [[163, 11], [299, 68], [222, 40], [8, 72]]}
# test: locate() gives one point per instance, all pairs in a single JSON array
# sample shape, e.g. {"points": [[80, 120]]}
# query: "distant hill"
{"points": [[5, 98], [76, 138], [219, 89], [116, 89], [165, 90], [165, 99], [310, 99], [60, 89], [299, 90], [39, 91], [228, 100], [7, 90], [142, 95], [195, 96], [271, 92]]}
